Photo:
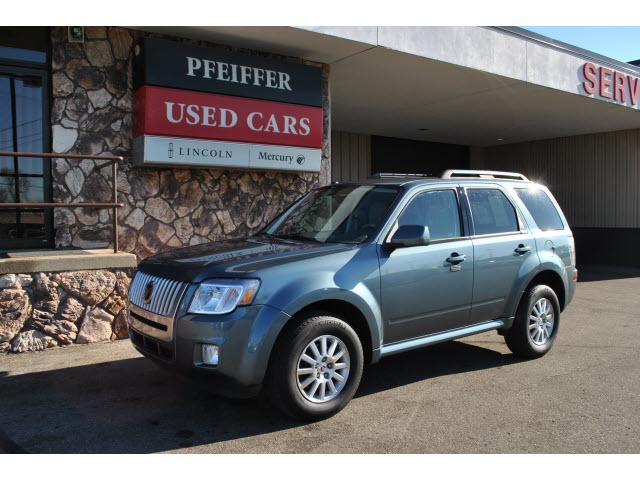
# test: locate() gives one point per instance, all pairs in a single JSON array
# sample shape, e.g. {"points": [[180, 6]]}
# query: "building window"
{"points": [[24, 127]]}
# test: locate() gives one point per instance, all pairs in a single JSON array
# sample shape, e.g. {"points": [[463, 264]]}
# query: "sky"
{"points": [[621, 43]]}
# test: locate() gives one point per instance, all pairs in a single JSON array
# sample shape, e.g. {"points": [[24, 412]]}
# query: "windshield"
{"points": [[335, 214]]}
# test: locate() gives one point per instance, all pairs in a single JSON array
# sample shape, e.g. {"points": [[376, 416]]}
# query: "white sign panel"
{"points": [[154, 150]]}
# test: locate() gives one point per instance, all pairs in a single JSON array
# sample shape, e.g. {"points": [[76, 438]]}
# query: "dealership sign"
{"points": [[208, 153], [180, 113], [610, 84], [209, 107], [215, 70]]}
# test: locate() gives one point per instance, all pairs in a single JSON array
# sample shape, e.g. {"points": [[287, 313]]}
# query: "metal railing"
{"points": [[97, 205]]}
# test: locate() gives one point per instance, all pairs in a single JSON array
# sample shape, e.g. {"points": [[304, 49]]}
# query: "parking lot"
{"points": [[468, 396]]}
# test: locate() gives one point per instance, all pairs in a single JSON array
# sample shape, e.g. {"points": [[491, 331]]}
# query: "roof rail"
{"points": [[483, 174], [396, 175]]}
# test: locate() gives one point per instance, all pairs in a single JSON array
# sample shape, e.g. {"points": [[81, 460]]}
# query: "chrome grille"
{"points": [[164, 297]]}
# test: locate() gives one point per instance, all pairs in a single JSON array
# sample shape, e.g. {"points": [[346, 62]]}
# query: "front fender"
{"points": [[322, 286]]}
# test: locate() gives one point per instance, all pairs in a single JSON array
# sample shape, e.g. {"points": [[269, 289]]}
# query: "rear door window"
{"points": [[541, 208], [492, 212]]}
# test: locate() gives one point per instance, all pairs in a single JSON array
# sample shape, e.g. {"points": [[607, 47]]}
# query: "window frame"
{"points": [[522, 224], [48, 240], [45, 33], [464, 228]]}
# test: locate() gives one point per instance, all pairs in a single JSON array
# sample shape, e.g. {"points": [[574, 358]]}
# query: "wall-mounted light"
{"points": [[76, 34]]}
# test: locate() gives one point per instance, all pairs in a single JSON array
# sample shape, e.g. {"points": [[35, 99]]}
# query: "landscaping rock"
{"points": [[45, 295], [71, 310], [31, 341], [14, 311], [89, 286], [9, 281], [96, 326], [120, 328]]}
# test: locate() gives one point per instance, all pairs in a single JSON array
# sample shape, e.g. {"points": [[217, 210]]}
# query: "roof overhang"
{"points": [[465, 85]]}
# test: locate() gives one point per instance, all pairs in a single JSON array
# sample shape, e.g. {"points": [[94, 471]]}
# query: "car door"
{"points": [[502, 244], [426, 289]]}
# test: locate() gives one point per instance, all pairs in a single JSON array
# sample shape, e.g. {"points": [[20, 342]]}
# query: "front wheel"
{"points": [[316, 368], [536, 324]]}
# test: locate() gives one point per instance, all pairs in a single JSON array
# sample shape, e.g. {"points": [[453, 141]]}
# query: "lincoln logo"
{"points": [[300, 159], [148, 291], [170, 149]]}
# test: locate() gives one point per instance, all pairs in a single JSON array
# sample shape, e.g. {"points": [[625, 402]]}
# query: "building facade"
{"points": [[92, 113], [220, 128]]}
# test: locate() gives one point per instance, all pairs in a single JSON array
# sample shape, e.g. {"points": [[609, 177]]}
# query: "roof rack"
{"points": [[400, 175], [483, 174]]}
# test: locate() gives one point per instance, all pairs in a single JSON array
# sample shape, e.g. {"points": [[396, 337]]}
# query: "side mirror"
{"points": [[410, 236]]}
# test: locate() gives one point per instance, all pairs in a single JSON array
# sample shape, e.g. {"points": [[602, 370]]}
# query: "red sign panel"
{"points": [[182, 113]]}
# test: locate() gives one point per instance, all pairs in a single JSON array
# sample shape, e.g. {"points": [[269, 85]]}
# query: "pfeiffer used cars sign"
{"points": [[180, 113], [170, 64], [209, 107]]}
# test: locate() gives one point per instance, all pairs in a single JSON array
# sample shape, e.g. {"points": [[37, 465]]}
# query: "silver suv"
{"points": [[351, 273]]}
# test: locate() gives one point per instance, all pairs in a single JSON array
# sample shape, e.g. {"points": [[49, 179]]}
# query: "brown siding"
{"points": [[595, 178], [350, 156]]}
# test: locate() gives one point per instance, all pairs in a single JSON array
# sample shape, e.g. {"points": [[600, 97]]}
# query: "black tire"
{"points": [[282, 381], [517, 337]]}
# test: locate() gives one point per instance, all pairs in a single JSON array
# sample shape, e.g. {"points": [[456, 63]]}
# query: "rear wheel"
{"points": [[316, 368], [536, 324]]}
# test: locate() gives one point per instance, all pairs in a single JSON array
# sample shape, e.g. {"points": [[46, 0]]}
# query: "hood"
{"points": [[231, 258]]}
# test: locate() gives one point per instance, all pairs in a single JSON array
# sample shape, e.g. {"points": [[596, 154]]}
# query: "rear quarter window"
{"points": [[541, 207]]}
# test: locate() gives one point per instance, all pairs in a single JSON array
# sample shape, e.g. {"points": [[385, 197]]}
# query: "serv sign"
{"points": [[155, 150], [610, 84]]}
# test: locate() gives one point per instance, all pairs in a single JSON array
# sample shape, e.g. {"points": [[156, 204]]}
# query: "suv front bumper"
{"points": [[245, 338]]}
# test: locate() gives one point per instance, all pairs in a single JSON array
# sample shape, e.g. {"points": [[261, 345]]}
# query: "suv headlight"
{"points": [[223, 296]]}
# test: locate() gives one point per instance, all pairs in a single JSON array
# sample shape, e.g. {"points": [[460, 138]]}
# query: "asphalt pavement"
{"points": [[468, 396]]}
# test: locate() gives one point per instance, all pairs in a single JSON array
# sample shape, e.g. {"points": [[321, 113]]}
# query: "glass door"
{"points": [[23, 128]]}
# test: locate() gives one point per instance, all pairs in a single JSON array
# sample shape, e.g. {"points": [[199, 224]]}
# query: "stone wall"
{"points": [[42, 310], [164, 208]]}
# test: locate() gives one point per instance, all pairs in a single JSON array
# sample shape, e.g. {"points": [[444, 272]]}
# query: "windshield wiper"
{"points": [[296, 236], [263, 234]]}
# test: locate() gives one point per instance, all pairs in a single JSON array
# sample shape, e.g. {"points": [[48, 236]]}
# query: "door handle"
{"points": [[522, 249], [456, 258]]}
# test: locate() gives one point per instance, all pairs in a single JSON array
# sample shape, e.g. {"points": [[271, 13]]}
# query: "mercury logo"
{"points": [[148, 292], [300, 159]]}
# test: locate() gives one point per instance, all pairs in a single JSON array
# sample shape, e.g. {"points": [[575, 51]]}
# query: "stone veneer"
{"points": [[164, 208], [42, 310]]}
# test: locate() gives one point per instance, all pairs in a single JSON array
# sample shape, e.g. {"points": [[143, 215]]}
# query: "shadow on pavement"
{"points": [[430, 362], [132, 406], [598, 273]]}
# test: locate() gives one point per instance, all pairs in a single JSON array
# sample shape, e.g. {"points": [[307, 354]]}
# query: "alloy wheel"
{"points": [[323, 369], [541, 321]]}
